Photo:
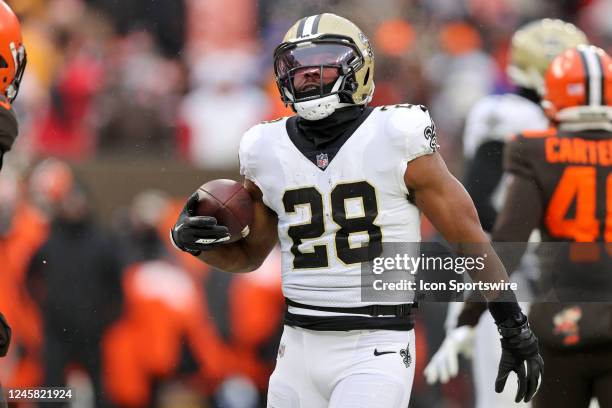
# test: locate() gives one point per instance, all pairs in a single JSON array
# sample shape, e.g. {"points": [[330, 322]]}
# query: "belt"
{"points": [[403, 310]]}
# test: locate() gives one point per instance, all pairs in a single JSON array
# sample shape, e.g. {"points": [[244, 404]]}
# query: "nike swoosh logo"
{"points": [[207, 241], [380, 353]]}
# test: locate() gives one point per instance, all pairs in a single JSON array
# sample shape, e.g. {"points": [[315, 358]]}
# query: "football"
{"points": [[230, 203]]}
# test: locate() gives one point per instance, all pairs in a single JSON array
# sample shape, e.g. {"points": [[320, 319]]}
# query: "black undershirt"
{"points": [[483, 175], [325, 136], [485, 171], [529, 94]]}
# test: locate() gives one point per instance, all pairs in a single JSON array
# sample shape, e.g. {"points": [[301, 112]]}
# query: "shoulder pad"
{"points": [[245, 156], [411, 128], [497, 118], [252, 143]]}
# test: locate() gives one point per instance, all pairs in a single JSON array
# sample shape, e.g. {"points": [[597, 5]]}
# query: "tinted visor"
{"points": [[314, 54]]}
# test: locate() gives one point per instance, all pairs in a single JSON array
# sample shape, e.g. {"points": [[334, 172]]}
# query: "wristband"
{"points": [[505, 309]]}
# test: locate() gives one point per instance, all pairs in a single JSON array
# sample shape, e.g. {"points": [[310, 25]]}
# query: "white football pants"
{"points": [[352, 369]]}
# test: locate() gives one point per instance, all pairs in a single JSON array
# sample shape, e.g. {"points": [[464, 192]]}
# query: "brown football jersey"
{"points": [[573, 177]]}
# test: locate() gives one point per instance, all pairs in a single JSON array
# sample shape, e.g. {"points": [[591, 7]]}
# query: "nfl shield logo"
{"points": [[322, 160]]}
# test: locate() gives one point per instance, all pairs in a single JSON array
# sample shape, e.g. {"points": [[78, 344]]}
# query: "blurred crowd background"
{"points": [[125, 108]]}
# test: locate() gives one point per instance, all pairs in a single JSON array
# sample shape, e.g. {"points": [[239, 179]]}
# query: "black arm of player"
{"points": [[483, 176], [521, 213], [244, 255], [448, 206]]}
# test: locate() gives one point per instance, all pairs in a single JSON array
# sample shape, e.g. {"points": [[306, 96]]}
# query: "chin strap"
{"points": [[320, 108]]}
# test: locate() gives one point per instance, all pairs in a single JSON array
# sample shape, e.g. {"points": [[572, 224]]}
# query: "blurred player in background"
{"points": [[561, 183], [75, 278], [12, 67], [331, 182], [489, 126]]}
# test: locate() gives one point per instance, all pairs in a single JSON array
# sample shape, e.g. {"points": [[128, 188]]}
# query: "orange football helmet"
{"points": [[578, 86], [12, 52]]}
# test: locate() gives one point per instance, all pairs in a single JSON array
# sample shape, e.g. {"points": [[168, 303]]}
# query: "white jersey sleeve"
{"points": [[254, 157], [244, 153], [413, 132], [497, 118]]}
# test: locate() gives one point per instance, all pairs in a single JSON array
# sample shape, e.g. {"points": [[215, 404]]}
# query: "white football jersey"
{"points": [[498, 117], [332, 211]]}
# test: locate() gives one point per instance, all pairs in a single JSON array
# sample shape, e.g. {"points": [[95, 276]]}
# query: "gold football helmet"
{"points": [[325, 62], [535, 45]]}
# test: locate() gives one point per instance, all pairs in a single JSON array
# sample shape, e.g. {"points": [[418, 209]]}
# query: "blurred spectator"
{"points": [[140, 100], [215, 25], [164, 334], [75, 278], [138, 227], [165, 20], [22, 230], [222, 106], [66, 128], [463, 73]]}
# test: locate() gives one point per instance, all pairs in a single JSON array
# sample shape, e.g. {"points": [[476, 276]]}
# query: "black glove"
{"points": [[519, 354], [5, 336], [195, 234]]}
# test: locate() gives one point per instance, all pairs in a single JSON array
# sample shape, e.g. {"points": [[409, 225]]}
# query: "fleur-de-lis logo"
{"points": [[405, 354], [281, 350], [430, 134]]}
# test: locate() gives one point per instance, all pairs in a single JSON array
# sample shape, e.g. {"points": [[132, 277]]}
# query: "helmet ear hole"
{"points": [[3, 63], [366, 77]]}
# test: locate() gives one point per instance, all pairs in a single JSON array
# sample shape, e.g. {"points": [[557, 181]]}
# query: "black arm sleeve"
{"points": [[482, 178]]}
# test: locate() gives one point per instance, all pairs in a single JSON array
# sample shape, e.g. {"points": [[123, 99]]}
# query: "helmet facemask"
{"points": [[331, 60], [20, 60]]}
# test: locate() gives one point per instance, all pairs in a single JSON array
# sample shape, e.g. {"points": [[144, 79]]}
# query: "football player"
{"points": [[561, 183], [334, 183], [12, 67], [489, 125]]}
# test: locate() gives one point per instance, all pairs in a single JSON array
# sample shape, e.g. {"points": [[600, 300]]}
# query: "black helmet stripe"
{"points": [[315, 25], [308, 25], [594, 76], [587, 77], [603, 80], [300, 29]]}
